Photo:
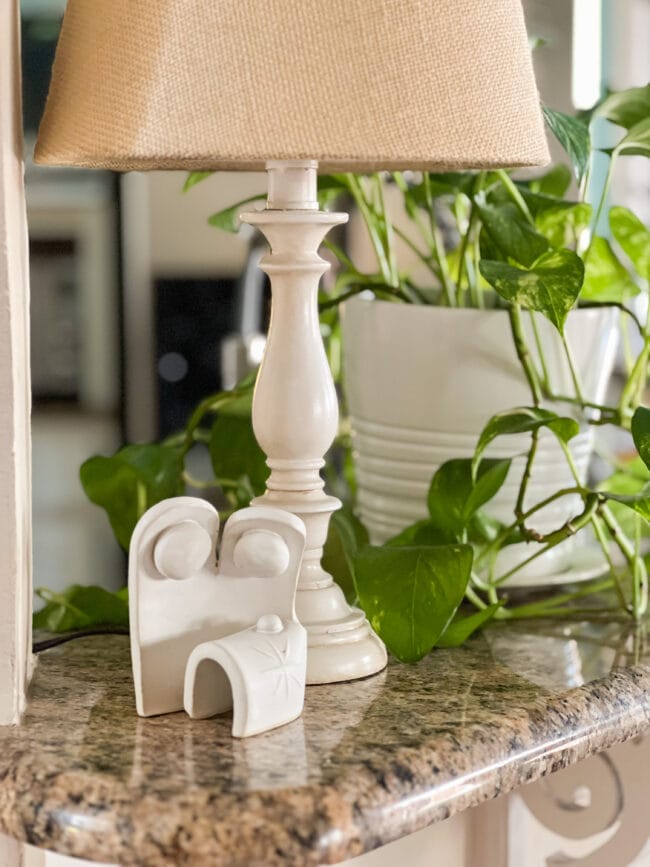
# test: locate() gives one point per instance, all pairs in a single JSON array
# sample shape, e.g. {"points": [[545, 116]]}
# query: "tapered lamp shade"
{"points": [[229, 84]]}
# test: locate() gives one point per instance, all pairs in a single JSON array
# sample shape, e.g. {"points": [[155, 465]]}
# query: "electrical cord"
{"points": [[49, 643]]}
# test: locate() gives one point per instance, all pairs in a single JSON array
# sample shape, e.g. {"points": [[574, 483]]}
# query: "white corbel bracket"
{"points": [[208, 637]]}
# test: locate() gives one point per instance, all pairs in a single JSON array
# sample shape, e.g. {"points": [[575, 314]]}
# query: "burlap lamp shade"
{"points": [[287, 85], [355, 84]]}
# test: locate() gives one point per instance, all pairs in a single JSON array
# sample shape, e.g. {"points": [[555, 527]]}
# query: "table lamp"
{"points": [[347, 85]]}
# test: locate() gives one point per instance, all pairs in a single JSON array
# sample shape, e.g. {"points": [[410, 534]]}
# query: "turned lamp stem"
{"points": [[295, 416]]}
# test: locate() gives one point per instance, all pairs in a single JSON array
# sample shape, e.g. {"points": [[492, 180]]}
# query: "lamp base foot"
{"points": [[341, 649]]}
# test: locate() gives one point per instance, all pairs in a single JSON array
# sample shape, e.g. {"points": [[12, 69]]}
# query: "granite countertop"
{"points": [[370, 761]]}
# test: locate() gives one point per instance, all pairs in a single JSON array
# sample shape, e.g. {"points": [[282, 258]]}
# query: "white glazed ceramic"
{"points": [[235, 622], [295, 417], [259, 672], [421, 382]]}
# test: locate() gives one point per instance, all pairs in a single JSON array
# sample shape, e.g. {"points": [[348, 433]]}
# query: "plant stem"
{"points": [[199, 484], [525, 478], [598, 587], [438, 245], [448, 286], [601, 204], [570, 528], [617, 534], [544, 605], [370, 218], [637, 589], [477, 257], [474, 598], [635, 383], [584, 404], [388, 230], [569, 613], [594, 305], [462, 251], [356, 290], [636, 564], [465, 262], [515, 195], [141, 501], [505, 533], [429, 261], [599, 533], [546, 383], [574, 372], [523, 353], [472, 277], [571, 463]]}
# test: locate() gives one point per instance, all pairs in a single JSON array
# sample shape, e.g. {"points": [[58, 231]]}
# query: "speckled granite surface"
{"points": [[369, 761]]}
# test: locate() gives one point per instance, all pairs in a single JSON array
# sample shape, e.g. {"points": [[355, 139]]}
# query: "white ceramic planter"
{"points": [[421, 383]]}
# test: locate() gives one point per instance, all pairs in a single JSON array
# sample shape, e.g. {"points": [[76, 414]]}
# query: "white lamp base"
{"points": [[295, 418], [341, 644], [342, 649]]}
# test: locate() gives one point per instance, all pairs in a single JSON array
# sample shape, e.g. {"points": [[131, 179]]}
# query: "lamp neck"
{"points": [[293, 185]]}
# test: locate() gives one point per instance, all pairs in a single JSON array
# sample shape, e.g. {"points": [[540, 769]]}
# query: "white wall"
{"points": [[15, 481], [182, 242]]}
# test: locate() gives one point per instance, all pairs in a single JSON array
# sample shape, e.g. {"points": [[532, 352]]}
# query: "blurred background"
{"points": [[140, 308]]}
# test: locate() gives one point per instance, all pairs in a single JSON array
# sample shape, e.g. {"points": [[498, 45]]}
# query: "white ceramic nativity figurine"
{"points": [[208, 637]]}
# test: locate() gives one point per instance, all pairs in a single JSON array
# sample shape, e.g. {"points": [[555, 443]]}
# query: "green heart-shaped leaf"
{"points": [[443, 184], [606, 278], [330, 188], [525, 419], [128, 483], [514, 237], [629, 481], [455, 495], [425, 532], [228, 219], [462, 628], [633, 237], [573, 135], [641, 433], [234, 451], [81, 607], [345, 537], [194, 178], [411, 594], [563, 226], [551, 286], [637, 141], [555, 182], [627, 107], [638, 503]]}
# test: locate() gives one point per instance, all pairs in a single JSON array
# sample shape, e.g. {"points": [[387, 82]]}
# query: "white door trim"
{"points": [[15, 449]]}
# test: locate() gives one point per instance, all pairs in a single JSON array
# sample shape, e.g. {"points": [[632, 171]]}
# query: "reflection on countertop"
{"points": [[369, 761]]}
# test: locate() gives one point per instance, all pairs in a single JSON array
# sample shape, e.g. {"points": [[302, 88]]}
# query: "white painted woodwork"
{"points": [[208, 637], [295, 417], [592, 814], [11, 854], [15, 481], [51, 859], [444, 844]]}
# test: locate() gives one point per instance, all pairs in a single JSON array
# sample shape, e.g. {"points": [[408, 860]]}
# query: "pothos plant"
{"points": [[485, 238]]}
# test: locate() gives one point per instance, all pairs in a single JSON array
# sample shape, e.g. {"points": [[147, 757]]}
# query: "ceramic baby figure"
{"points": [[208, 637]]}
